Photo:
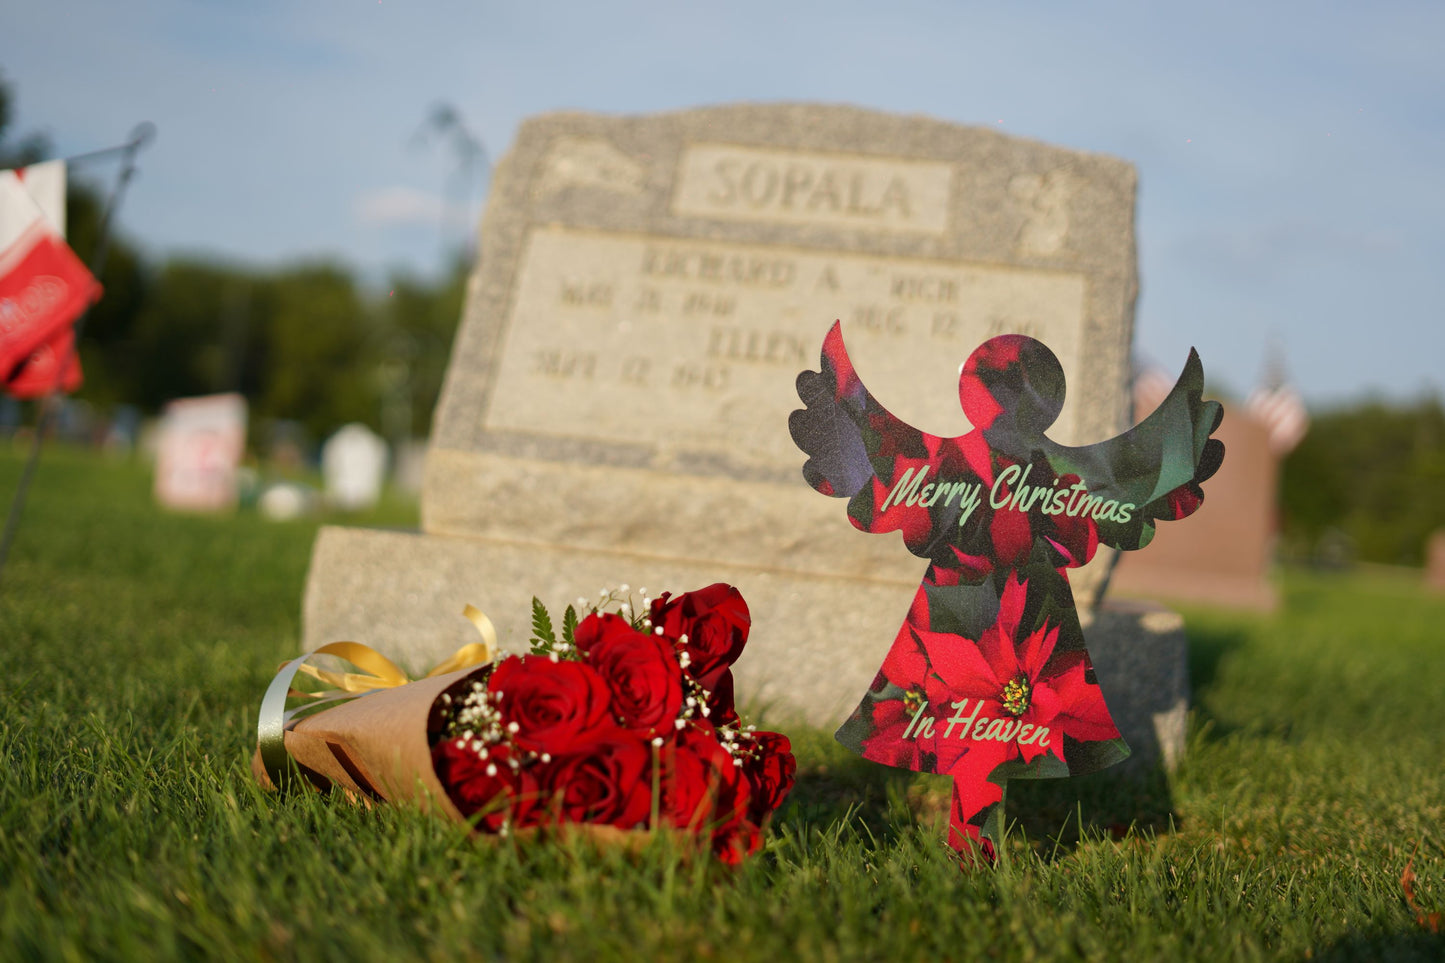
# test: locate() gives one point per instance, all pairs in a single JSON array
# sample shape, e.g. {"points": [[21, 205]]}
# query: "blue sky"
{"points": [[1289, 153]]}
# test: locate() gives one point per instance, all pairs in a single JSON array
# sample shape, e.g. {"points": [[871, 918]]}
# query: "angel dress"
{"points": [[989, 678]]}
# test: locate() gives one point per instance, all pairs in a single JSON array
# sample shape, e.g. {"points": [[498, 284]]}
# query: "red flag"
{"points": [[36, 376], [44, 288]]}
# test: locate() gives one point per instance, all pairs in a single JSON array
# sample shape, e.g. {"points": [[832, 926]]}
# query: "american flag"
{"points": [[1278, 407], [1283, 415]]}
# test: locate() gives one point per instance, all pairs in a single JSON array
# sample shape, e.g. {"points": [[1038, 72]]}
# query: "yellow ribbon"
{"points": [[474, 653], [378, 672]]}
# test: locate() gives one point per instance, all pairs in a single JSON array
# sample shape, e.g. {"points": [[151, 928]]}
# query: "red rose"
{"points": [[714, 619], [596, 628], [607, 781], [720, 708], [641, 671], [487, 787], [769, 768], [703, 790], [737, 842], [549, 706]]}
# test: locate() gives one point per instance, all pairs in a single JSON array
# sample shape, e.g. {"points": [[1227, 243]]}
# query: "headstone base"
{"points": [[1141, 657], [816, 645]]}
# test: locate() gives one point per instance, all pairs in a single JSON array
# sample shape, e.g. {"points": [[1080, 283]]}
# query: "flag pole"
{"points": [[140, 136]]}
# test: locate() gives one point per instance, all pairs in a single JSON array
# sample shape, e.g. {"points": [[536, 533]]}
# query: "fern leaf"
{"points": [[542, 633]]}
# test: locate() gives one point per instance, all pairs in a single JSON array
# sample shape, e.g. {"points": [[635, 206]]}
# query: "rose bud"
{"points": [[715, 621], [770, 769]]}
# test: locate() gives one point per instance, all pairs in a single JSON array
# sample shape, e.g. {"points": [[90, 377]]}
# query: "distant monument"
{"points": [[1225, 559], [616, 407], [199, 447]]}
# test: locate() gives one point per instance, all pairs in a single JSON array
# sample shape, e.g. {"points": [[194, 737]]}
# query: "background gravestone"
{"points": [[1224, 556], [617, 401], [1435, 561], [353, 462], [198, 450]]}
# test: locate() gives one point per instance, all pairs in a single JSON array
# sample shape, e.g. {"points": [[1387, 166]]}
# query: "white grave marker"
{"points": [[353, 462]]}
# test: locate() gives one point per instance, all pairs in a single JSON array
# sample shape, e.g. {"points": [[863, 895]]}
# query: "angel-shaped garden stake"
{"points": [[989, 678]]}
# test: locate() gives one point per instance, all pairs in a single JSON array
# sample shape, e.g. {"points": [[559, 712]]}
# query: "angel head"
{"points": [[1011, 378]]}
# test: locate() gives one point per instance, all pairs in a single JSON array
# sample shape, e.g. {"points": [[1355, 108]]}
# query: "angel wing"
{"points": [[831, 429], [860, 451], [1156, 467]]}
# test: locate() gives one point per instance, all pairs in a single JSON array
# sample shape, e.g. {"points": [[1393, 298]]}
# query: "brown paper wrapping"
{"points": [[375, 747]]}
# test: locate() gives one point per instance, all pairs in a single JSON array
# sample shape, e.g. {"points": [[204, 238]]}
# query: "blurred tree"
{"points": [[174, 347], [421, 322], [321, 350], [1374, 471], [108, 352]]}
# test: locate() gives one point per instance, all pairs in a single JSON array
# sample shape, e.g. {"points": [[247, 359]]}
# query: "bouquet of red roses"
{"points": [[622, 721]]}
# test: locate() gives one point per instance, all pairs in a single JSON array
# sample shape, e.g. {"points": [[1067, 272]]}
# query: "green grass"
{"points": [[136, 645]]}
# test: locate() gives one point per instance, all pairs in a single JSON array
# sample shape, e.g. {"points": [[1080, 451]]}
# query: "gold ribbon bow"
{"points": [[378, 672]]}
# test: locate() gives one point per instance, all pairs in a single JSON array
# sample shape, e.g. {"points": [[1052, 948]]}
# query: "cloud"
{"points": [[389, 206]]}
